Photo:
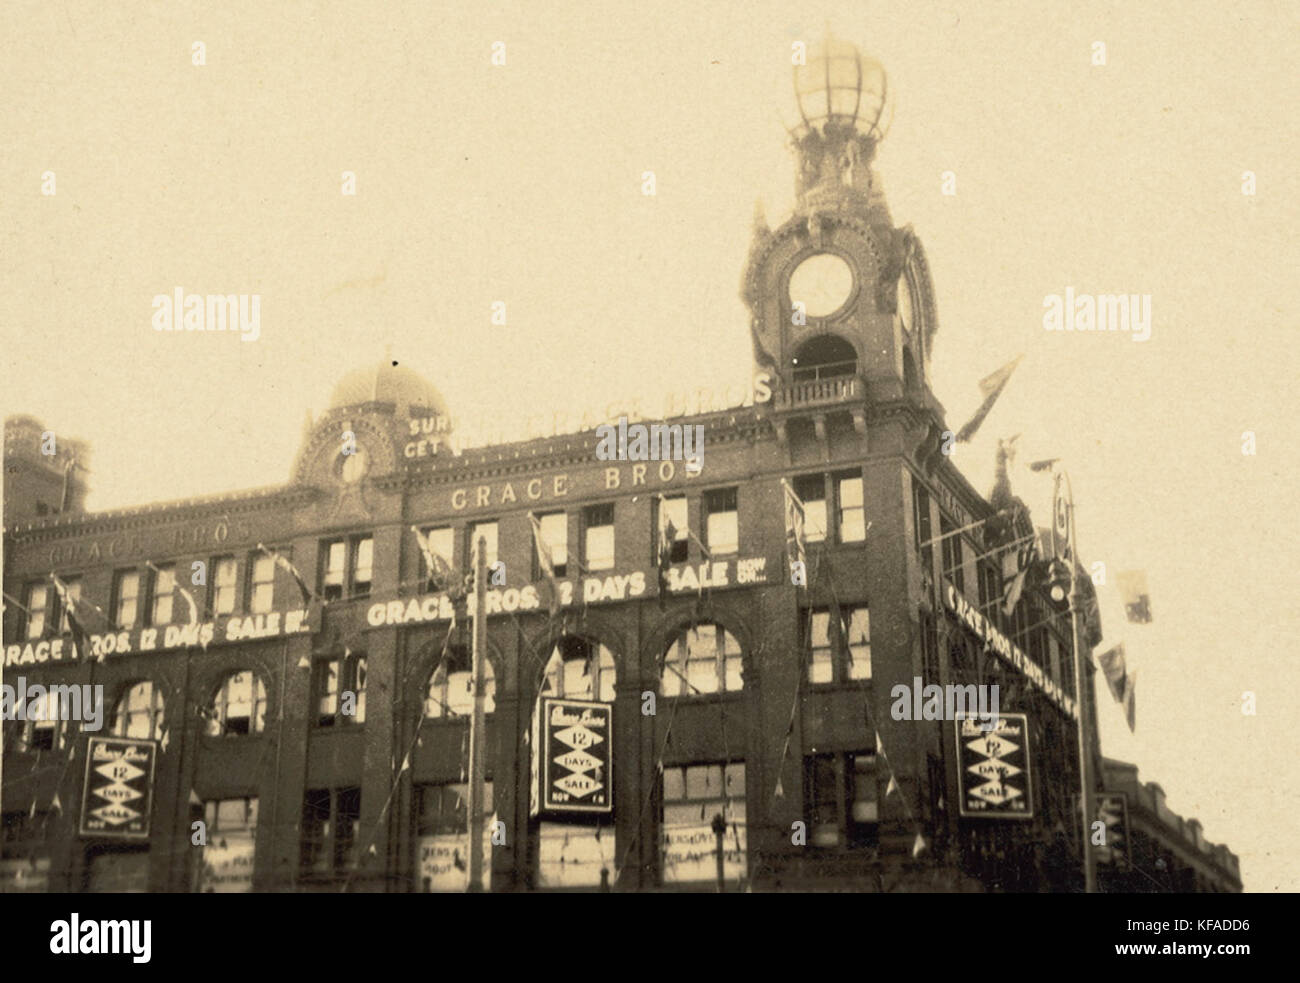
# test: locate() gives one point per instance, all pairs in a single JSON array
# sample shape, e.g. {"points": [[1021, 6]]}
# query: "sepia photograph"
{"points": [[672, 449]]}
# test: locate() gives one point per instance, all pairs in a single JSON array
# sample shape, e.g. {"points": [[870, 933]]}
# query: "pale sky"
{"points": [[522, 183]]}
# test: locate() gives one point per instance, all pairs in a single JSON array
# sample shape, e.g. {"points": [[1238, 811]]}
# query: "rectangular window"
{"points": [[334, 581], [598, 537], [555, 536], [73, 587], [858, 624], [347, 567], [842, 652], [329, 830], [126, 592], [952, 554], [339, 690], [692, 796], [721, 522], [442, 831], [821, 663], [841, 798], [261, 591], [851, 518], [164, 595], [363, 563], [443, 810], [811, 489], [672, 513], [226, 863], [488, 530], [225, 574], [38, 601]]}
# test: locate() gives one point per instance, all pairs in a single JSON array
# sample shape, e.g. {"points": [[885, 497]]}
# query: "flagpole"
{"points": [[1081, 703], [477, 745]]}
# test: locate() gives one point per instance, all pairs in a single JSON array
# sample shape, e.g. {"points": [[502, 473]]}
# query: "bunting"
{"points": [[547, 562], [69, 604], [438, 570], [291, 570], [796, 542]]}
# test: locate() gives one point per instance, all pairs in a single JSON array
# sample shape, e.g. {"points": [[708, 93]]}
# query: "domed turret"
{"points": [[409, 392], [844, 112]]}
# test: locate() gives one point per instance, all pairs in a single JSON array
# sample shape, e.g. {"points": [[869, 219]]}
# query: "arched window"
{"points": [[580, 670], [139, 713], [702, 660], [451, 690], [824, 357], [239, 706]]}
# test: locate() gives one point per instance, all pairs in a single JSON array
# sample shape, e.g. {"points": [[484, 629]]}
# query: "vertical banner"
{"points": [[577, 767], [1112, 809], [117, 796], [994, 780]]}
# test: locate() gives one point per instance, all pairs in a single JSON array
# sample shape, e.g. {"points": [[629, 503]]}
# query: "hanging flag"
{"points": [[991, 387], [1130, 701], [1133, 591], [437, 569], [1115, 671], [918, 847], [547, 562], [892, 787], [796, 542], [188, 596], [291, 570], [69, 604], [1044, 465], [194, 798], [779, 792], [56, 804], [1020, 561], [667, 534]]}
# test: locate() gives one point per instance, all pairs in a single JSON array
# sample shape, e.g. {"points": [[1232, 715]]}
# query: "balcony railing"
{"points": [[821, 392]]}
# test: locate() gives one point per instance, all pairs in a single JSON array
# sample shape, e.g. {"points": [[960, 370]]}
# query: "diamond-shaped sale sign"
{"points": [[575, 743], [994, 778], [117, 795]]}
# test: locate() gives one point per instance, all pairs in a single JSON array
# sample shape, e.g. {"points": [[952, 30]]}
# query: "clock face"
{"points": [[906, 311], [353, 466], [822, 283]]}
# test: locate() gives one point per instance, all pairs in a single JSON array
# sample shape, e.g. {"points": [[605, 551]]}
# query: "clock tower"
{"points": [[841, 301]]}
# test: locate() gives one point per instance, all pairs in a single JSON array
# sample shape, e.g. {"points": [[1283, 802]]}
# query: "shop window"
{"points": [[692, 796]]}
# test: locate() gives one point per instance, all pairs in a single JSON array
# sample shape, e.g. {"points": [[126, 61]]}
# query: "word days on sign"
{"points": [[118, 795], [576, 745], [994, 769]]}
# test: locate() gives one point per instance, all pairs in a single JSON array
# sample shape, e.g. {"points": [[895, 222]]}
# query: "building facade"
{"points": [[681, 705]]}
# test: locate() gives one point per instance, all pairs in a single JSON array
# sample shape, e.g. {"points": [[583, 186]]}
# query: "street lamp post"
{"points": [[1081, 654]]}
